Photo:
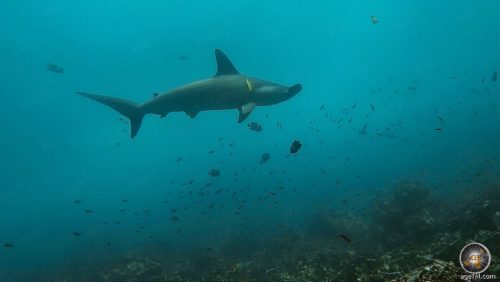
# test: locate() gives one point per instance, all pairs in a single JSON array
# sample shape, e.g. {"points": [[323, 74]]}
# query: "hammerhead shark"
{"points": [[227, 89]]}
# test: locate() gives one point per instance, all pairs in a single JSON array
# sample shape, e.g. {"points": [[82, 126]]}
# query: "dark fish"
{"points": [[214, 172], [7, 274], [372, 107], [295, 147], [77, 234], [124, 200], [179, 159], [211, 151], [155, 95], [322, 107], [439, 129], [77, 201], [183, 58], [374, 19], [345, 238], [54, 68], [265, 157], [255, 126], [88, 211], [494, 76], [8, 245], [174, 218]]}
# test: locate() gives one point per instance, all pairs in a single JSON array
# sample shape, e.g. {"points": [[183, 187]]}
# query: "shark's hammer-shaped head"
{"points": [[268, 93]]}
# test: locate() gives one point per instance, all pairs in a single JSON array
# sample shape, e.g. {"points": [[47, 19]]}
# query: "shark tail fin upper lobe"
{"points": [[129, 109]]}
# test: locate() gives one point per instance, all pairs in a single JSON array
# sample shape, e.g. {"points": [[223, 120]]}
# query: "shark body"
{"points": [[228, 89]]}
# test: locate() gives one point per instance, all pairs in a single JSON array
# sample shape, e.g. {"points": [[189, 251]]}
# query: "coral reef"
{"points": [[423, 238]]}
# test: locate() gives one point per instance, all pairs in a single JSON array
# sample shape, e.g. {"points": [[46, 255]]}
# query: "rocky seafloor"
{"points": [[411, 236]]}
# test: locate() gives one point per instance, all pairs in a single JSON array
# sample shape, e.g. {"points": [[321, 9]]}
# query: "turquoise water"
{"points": [[412, 96]]}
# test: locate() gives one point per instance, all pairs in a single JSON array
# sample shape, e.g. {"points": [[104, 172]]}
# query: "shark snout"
{"points": [[293, 90]]}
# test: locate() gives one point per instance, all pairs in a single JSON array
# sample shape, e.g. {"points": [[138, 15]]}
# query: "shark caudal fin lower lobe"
{"points": [[129, 109]]}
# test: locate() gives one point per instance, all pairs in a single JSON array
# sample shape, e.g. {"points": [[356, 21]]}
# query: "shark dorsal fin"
{"points": [[224, 65]]}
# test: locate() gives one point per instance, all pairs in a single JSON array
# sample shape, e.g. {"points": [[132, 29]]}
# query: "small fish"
{"points": [[322, 107], [439, 129], [77, 234], [265, 157], [77, 201], [174, 218], [183, 58], [214, 172], [255, 126], [374, 19], [8, 245], [124, 200], [211, 151], [295, 147], [345, 238], [54, 68], [88, 211], [372, 107], [494, 76]]}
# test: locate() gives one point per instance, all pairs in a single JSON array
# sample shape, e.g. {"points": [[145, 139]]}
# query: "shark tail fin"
{"points": [[129, 109]]}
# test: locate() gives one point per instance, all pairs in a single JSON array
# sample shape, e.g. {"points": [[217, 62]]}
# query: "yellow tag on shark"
{"points": [[249, 85]]}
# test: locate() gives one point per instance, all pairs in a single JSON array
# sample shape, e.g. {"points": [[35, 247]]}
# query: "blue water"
{"points": [[424, 65]]}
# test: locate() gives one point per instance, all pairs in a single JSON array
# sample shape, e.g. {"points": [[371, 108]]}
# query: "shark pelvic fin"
{"points": [[245, 111], [224, 65], [192, 114]]}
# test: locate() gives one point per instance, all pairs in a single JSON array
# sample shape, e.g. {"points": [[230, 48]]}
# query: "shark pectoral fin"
{"points": [[192, 114], [245, 111]]}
